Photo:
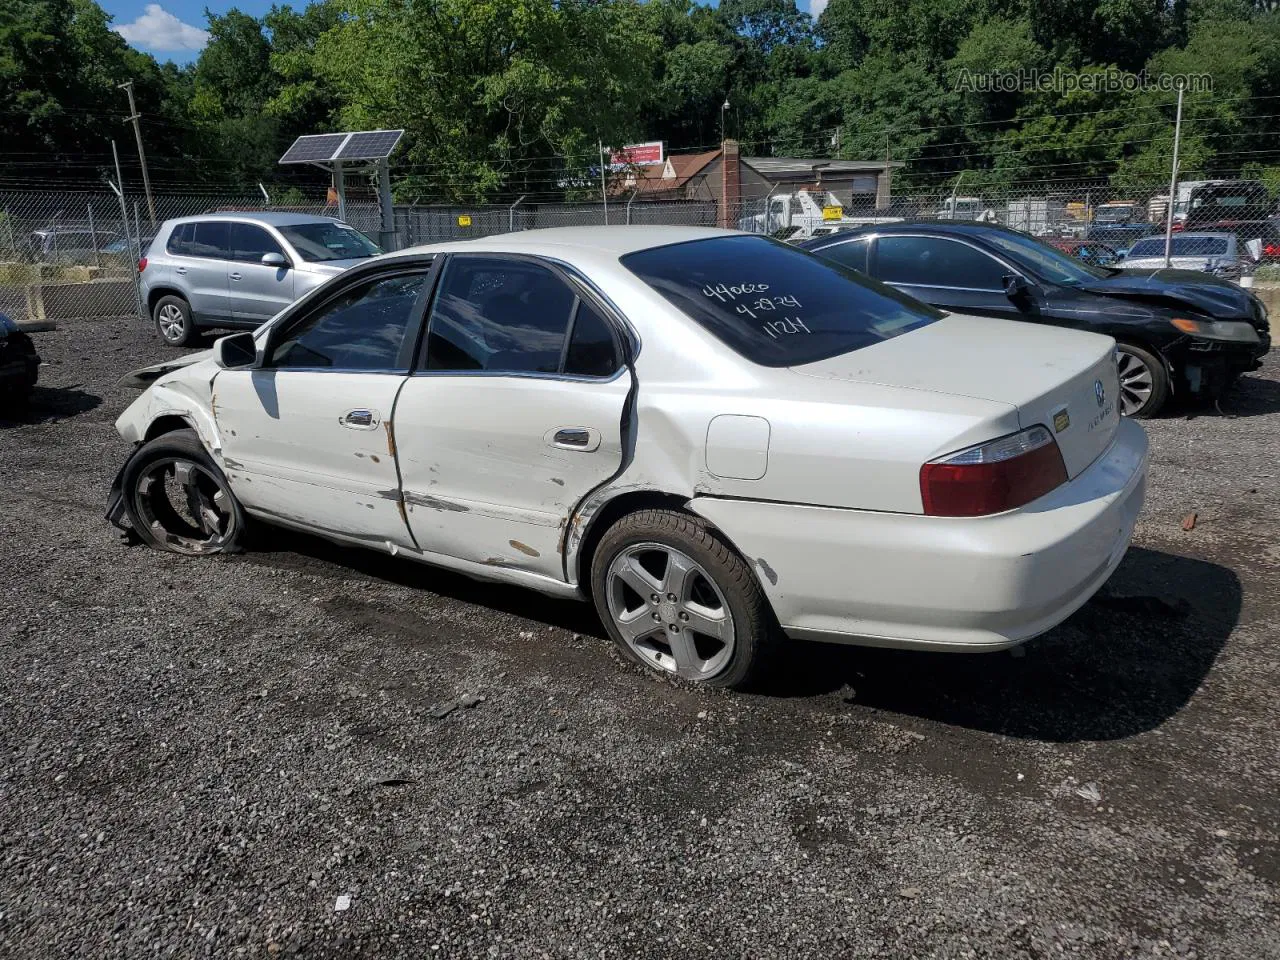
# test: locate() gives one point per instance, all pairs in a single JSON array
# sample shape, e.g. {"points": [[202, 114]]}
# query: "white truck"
{"points": [[804, 214]]}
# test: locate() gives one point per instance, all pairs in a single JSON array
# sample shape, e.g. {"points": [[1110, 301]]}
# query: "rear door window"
{"points": [[935, 262], [774, 304], [499, 315], [212, 239], [852, 254]]}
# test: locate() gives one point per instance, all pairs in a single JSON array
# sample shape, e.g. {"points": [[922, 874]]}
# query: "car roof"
{"points": [[274, 218], [969, 228], [615, 240]]}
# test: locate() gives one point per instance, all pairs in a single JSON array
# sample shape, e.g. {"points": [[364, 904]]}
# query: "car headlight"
{"points": [[1236, 331]]}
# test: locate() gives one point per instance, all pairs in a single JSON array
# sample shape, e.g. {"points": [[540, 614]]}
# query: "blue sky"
{"points": [[174, 29]]}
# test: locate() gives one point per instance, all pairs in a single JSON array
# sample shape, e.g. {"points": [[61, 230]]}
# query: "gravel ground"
{"points": [[215, 757]]}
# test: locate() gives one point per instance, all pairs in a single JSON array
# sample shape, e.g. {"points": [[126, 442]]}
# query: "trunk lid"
{"points": [[1065, 380]]}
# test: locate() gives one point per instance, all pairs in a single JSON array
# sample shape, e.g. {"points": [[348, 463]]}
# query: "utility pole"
{"points": [[142, 157], [604, 191], [1173, 182]]}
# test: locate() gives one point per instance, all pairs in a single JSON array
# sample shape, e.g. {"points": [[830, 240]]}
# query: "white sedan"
{"points": [[722, 441]]}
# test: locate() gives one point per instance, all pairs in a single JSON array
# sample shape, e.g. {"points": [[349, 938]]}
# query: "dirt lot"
{"points": [[201, 757]]}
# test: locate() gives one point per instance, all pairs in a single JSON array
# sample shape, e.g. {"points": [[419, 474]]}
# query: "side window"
{"points": [[212, 239], [592, 351], [851, 254], [361, 329], [498, 315], [249, 243], [931, 261], [181, 239]]}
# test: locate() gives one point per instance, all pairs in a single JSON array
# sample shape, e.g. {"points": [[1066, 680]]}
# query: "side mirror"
{"points": [[274, 260], [1015, 287], [237, 351]]}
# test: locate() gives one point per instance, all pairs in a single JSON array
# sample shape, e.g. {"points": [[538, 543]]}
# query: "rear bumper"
{"points": [[907, 580]]}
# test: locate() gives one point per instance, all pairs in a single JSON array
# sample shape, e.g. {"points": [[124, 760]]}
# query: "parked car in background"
{"points": [[1266, 231], [19, 365], [720, 439], [1228, 200], [1090, 251], [240, 269], [72, 246], [1176, 331], [1182, 206], [1119, 223], [1216, 253]]}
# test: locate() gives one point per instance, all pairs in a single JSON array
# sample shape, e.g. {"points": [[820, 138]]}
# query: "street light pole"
{"points": [[142, 157]]}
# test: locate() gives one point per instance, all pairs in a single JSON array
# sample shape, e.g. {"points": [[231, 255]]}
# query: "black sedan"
{"points": [[1177, 331]]}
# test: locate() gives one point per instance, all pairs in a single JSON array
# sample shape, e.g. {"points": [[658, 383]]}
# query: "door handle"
{"points": [[359, 419], [180, 271], [235, 276], [575, 438]]}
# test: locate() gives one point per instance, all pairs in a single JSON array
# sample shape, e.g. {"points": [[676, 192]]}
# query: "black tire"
{"points": [[1159, 376], [179, 459], [755, 631], [166, 312]]}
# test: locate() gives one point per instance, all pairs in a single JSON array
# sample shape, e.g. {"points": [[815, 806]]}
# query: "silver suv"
{"points": [[240, 269]]}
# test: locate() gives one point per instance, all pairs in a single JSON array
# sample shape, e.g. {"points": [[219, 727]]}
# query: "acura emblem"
{"points": [[1100, 392]]}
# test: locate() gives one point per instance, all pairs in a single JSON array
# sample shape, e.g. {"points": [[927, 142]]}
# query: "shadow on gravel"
{"points": [[1126, 662], [1251, 397], [290, 550], [49, 405]]}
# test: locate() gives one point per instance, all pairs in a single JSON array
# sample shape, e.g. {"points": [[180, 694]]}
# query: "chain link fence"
{"points": [[67, 255]]}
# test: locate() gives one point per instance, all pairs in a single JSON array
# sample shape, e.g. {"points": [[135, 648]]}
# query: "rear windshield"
{"points": [[774, 304], [318, 242], [1180, 247]]}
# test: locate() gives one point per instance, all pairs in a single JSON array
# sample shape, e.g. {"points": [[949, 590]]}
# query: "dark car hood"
{"points": [[1198, 291]]}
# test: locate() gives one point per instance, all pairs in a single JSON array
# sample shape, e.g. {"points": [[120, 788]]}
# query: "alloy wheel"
{"points": [[185, 506], [171, 322], [1136, 382], [669, 611]]}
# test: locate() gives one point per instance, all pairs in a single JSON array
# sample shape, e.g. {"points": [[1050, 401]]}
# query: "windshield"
{"points": [[1115, 214], [774, 304], [318, 242], [1180, 247], [1050, 263]]}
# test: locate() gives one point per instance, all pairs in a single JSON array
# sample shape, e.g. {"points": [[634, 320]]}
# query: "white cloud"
{"points": [[158, 29], [816, 7]]}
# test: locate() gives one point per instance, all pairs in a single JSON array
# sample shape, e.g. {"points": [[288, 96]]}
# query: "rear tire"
{"points": [[678, 600], [178, 500], [172, 316], [1144, 381]]}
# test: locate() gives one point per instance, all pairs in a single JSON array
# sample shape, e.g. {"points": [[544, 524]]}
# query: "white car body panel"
{"points": [[812, 471], [288, 455], [483, 476]]}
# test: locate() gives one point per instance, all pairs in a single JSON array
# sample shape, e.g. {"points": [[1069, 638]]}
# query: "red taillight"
{"points": [[1271, 250], [993, 477], [142, 264]]}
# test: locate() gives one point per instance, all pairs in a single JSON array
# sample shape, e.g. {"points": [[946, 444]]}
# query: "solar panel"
{"points": [[373, 145], [314, 149]]}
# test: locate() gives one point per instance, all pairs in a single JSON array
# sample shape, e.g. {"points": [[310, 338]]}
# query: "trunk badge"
{"points": [[1100, 392], [1061, 420]]}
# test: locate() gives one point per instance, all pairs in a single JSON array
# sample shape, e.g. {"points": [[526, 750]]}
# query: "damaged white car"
{"points": [[722, 441]]}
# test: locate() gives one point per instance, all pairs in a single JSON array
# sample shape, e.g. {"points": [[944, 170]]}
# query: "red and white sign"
{"points": [[638, 154]]}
